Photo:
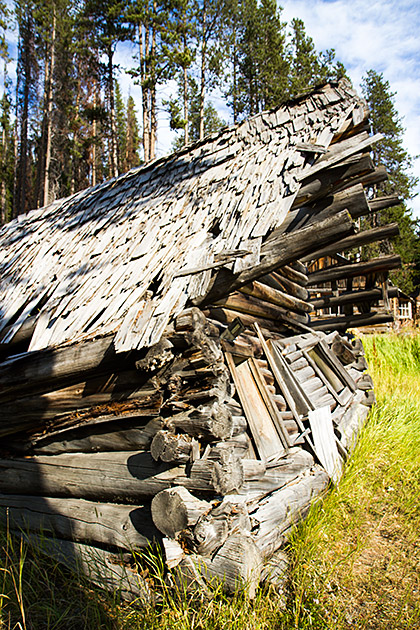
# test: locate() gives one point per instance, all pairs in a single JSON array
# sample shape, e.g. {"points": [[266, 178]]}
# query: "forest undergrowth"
{"points": [[355, 560]]}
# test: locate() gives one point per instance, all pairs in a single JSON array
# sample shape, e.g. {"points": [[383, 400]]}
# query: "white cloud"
{"points": [[380, 35]]}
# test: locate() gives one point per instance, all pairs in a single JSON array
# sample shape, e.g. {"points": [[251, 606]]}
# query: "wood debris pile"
{"points": [[163, 378]]}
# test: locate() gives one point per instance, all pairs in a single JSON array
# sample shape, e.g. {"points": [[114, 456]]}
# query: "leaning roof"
{"points": [[122, 257]]}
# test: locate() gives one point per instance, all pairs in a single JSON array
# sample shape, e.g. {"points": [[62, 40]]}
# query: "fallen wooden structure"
{"points": [[163, 379]]}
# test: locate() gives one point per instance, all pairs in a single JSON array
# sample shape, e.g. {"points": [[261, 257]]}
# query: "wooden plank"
{"points": [[325, 442], [269, 402], [338, 156], [356, 240], [318, 371], [294, 396], [266, 438], [336, 365]]}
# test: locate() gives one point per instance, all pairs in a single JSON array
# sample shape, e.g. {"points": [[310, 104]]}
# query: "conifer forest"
{"points": [[66, 125]]}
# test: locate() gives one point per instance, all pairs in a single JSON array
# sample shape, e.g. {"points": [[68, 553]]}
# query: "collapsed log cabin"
{"points": [[162, 378]]}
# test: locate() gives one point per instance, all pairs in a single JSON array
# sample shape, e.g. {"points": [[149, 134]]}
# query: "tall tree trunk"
{"points": [[48, 113], [4, 150], [153, 116], [16, 156], [113, 148], [203, 71], [143, 51], [186, 112], [235, 77], [94, 133], [3, 182], [21, 187]]}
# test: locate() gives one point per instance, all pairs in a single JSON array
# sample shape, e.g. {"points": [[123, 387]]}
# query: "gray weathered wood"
{"points": [[285, 507], [352, 270], [274, 296], [175, 509], [353, 297], [108, 436], [356, 240], [324, 440], [237, 564], [128, 476], [125, 526], [342, 322], [44, 370], [170, 447], [287, 248]]}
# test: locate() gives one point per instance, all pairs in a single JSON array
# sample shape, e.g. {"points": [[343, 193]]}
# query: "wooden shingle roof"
{"points": [[123, 257]]}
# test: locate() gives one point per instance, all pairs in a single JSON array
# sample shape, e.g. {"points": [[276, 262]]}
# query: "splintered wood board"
{"points": [[323, 435], [266, 438]]}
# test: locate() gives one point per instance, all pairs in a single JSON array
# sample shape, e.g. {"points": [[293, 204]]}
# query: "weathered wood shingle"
{"points": [[108, 259]]}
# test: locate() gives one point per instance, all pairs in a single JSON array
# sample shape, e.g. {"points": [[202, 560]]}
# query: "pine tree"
{"points": [[110, 26], [26, 104], [121, 125], [259, 77], [89, 114], [131, 157], [156, 38], [7, 140], [391, 153], [185, 49], [211, 122], [308, 67]]}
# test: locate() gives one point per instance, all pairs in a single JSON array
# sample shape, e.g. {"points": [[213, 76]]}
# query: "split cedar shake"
{"points": [[161, 360]]}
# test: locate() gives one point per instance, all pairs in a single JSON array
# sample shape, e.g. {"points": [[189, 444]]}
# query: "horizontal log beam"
{"points": [[299, 277], [340, 153], [280, 283], [381, 203], [249, 305], [354, 297], [104, 568], [263, 292], [127, 434], [342, 322], [227, 316], [79, 520], [45, 370], [128, 476], [287, 248], [91, 398], [356, 170], [276, 513], [354, 270], [352, 199], [357, 240]]}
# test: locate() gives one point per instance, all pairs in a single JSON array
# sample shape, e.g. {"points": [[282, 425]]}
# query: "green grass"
{"points": [[356, 559]]}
